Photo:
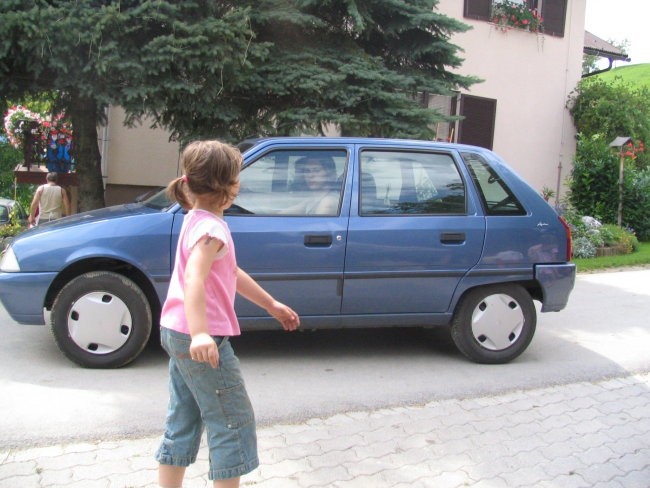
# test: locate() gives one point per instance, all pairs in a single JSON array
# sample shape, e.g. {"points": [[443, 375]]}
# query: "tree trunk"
{"points": [[84, 116]]}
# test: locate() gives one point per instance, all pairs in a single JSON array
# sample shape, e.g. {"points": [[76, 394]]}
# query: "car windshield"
{"points": [[159, 200]]}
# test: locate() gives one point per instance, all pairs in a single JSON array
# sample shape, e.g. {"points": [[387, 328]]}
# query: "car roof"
{"points": [[253, 142]]}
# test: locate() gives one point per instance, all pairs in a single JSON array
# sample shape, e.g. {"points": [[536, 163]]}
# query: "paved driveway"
{"points": [[603, 333]]}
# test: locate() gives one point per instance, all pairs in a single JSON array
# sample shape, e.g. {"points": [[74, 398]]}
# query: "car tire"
{"points": [[494, 324], [101, 320]]}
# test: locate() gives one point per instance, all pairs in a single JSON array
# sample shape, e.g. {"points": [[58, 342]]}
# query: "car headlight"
{"points": [[9, 263]]}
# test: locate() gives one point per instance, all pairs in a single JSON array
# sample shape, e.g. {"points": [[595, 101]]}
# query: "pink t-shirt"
{"points": [[220, 285]]}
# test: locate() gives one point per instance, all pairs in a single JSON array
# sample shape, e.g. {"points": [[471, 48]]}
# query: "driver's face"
{"points": [[315, 175]]}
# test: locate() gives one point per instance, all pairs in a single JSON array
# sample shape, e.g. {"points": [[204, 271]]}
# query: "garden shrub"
{"points": [[594, 186], [612, 108], [583, 248], [593, 182], [636, 203], [588, 234], [603, 110], [9, 159], [611, 234]]}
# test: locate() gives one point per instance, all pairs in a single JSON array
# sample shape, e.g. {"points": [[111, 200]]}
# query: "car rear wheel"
{"points": [[101, 320], [494, 324]]}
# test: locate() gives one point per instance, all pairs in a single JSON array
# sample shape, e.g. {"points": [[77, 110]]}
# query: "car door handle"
{"points": [[318, 240], [452, 237]]}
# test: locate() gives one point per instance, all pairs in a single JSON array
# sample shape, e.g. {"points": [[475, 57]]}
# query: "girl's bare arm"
{"points": [[249, 289]]}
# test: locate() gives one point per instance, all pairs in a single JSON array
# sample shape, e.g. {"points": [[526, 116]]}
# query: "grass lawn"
{"points": [[639, 258], [636, 74]]}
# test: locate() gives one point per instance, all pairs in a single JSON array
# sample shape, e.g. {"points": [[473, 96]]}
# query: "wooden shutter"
{"points": [[478, 9], [554, 15], [477, 126]]}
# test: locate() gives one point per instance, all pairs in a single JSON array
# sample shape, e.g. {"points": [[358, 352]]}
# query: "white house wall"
{"points": [[138, 156], [530, 76]]}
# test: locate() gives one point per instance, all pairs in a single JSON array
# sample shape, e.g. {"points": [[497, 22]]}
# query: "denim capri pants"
{"points": [[215, 398]]}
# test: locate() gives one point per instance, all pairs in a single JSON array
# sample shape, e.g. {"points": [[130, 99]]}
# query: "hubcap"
{"points": [[497, 322], [99, 323]]}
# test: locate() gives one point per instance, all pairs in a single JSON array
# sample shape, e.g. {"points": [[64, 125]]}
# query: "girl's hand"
{"points": [[203, 349], [285, 315]]}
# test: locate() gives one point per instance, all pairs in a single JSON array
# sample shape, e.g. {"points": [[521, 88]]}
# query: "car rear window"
{"points": [[497, 198]]}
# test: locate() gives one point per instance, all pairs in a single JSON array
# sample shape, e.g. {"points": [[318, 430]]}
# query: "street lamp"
{"points": [[619, 142]]}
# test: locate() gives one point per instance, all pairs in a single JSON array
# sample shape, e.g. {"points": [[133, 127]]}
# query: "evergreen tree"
{"points": [[230, 69]]}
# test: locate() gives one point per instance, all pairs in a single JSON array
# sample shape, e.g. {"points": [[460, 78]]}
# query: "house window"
{"points": [[444, 105], [477, 125], [553, 12], [554, 15], [478, 9]]}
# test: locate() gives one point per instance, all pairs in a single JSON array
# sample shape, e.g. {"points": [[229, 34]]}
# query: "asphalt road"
{"points": [[604, 332]]}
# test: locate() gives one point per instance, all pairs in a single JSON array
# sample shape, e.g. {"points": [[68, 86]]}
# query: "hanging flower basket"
{"points": [[43, 139], [19, 122]]}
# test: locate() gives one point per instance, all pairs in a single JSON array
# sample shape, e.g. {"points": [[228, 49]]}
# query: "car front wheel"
{"points": [[101, 320], [494, 324]]}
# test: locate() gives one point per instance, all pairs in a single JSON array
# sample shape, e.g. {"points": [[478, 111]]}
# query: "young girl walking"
{"points": [[205, 383]]}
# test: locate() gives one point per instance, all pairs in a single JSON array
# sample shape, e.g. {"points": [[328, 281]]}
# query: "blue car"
{"points": [[413, 233]]}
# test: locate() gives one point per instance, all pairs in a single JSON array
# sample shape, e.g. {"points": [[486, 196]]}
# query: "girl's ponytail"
{"points": [[177, 191]]}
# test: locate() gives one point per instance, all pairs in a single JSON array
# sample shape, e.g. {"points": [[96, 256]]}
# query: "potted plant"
{"points": [[547, 193]]}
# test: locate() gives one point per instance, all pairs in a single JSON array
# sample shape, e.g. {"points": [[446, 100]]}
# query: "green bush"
{"points": [[611, 234], [612, 108], [9, 159], [12, 228], [594, 186], [603, 110], [593, 183], [583, 248], [636, 203]]}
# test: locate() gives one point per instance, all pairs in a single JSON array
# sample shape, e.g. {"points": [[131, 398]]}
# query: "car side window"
{"points": [[292, 183], [496, 196], [420, 183]]}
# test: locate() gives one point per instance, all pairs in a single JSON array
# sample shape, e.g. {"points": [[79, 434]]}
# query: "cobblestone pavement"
{"points": [[590, 434]]}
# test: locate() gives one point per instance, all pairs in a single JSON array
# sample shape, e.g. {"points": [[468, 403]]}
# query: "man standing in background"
{"points": [[50, 200]]}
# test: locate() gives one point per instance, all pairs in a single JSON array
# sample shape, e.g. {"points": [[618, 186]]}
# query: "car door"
{"points": [[414, 232], [293, 249]]}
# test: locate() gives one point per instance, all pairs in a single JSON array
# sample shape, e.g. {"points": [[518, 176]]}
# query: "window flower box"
{"points": [[509, 14]]}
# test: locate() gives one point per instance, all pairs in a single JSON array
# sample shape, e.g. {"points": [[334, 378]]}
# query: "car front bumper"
{"points": [[23, 295]]}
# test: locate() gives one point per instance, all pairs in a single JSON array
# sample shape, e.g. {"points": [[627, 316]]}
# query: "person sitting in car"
{"points": [[318, 175]]}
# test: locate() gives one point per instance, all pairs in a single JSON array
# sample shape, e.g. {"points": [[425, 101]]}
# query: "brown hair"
{"points": [[209, 167]]}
